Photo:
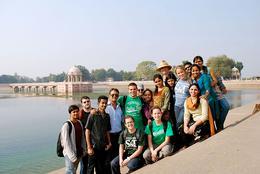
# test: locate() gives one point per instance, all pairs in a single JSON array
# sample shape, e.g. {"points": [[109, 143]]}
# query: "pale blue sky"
{"points": [[38, 37]]}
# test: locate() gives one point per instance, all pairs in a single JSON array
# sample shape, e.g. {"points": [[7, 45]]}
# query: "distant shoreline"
{"points": [[122, 85], [230, 85]]}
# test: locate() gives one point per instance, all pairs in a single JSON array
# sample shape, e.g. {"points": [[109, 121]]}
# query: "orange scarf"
{"points": [[193, 106], [211, 123]]}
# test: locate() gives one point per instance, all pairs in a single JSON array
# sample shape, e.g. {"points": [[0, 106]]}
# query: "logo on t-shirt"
{"points": [[131, 142]]}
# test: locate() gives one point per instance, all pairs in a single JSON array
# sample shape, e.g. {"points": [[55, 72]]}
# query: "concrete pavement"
{"points": [[234, 150]]}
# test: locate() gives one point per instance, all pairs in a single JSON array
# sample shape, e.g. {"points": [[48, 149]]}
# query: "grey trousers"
{"points": [[165, 151]]}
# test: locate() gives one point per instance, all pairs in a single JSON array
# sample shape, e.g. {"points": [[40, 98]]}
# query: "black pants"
{"points": [[114, 151], [98, 161], [201, 130]]}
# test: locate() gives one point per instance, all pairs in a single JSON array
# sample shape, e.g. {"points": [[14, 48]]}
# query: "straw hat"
{"points": [[163, 64]]}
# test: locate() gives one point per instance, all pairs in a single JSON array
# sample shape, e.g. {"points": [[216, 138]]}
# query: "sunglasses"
{"points": [[114, 95], [188, 67], [86, 101]]}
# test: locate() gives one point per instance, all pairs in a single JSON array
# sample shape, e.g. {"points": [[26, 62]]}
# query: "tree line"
{"points": [[144, 71]]}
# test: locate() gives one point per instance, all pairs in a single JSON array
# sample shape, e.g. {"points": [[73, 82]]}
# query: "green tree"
{"points": [[145, 70], [15, 79], [52, 78], [111, 73], [60, 77], [184, 61], [115, 75], [222, 64], [239, 66], [99, 74], [86, 76], [127, 76], [8, 79]]}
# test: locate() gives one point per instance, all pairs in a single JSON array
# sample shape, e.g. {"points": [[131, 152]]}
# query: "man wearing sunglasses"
{"points": [[116, 118], [83, 117], [140, 89], [187, 67]]}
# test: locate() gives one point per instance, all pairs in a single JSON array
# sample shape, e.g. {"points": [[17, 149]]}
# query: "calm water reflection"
{"points": [[30, 126]]}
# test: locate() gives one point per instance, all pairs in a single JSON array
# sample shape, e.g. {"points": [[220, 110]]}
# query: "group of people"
{"points": [[145, 125]]}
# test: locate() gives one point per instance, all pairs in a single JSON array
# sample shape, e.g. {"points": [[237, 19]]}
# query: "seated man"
{"points": [[131, 142]]}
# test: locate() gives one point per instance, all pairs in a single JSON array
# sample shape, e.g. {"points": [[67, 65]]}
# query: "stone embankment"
{"points": [[242, 84], [230, 84], [233, 150]]}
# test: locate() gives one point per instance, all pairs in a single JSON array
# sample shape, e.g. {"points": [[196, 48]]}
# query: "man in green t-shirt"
{"points": [[131, 142], [132, 105]]}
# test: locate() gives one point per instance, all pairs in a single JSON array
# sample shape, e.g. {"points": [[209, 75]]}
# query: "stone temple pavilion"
{"points": [[73, 84]]}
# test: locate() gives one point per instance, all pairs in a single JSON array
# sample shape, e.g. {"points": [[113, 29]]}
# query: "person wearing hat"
{"points": [[164, 68]]}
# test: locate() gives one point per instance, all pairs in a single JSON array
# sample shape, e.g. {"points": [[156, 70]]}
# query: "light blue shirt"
{"points": [[181, 92], [116, 117]]}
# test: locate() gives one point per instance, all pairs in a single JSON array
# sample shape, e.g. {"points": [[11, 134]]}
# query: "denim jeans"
{"points": [[84, 164], [71, 168], [224, 108], [179, 114], [132, 165]]}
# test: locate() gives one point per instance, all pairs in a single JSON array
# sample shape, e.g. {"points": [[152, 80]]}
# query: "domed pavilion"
{"points": [[74, 82], [235, 73], [74, 75]]}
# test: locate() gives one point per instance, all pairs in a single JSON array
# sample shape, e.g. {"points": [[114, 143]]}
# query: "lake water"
{"points": [[30, 126]]}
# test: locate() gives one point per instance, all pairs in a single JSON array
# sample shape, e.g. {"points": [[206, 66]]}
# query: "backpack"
{"points": [[137, 134], [165, 124], [59, 149], [122, 105]]}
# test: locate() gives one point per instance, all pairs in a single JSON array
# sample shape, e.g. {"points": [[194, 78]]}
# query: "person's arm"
{"points": [[214, 77], [88, 134], [221, 85], [109, 145], [204, 110], [186, 118], [166, 141], [207, 85], [193, 127], [204, 115], [150, 143], [89, 144], [121, 154], [137, 152], [166, 99], [150, 146], [66, 142], [134, 155]]}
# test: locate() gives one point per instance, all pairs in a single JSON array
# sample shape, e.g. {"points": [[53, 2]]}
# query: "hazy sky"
{"points": [[38, 37]]}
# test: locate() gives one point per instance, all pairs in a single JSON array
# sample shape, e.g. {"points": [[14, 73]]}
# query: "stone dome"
{"points": [[234, 69], [75, 71]]}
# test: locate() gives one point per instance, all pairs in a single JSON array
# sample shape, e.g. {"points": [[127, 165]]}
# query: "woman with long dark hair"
{"points": [[161, 96], [196, 116]]}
